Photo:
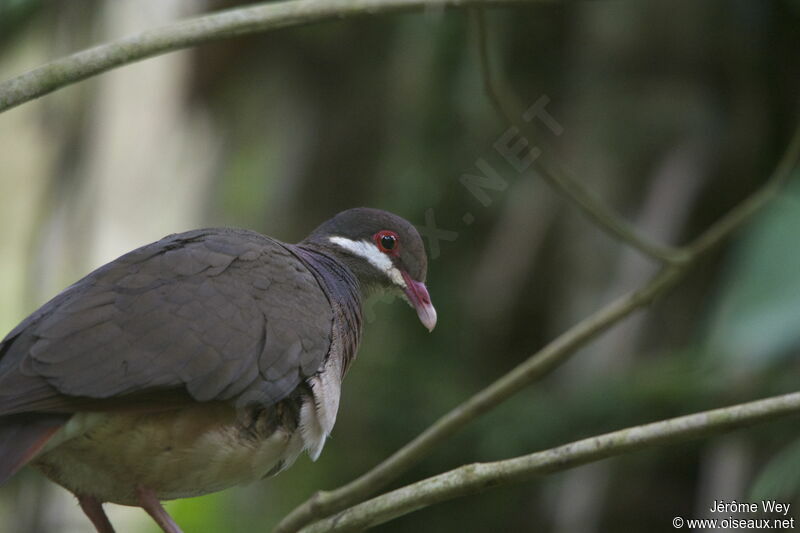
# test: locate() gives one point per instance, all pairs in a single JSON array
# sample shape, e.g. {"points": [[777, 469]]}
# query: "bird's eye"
{"points": [[386, 241]]}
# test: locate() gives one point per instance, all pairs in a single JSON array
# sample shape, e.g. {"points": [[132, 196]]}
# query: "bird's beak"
{"points": [[418, 297]]}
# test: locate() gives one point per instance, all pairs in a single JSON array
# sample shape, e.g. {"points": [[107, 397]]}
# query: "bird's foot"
{"points": [[94, 510], [149, 502]]}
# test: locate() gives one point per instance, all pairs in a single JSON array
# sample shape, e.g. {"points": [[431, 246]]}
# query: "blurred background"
{"points": [[671, 111]]}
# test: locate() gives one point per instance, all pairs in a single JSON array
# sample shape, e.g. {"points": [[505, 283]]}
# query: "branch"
{"points": [[558, 178], [323, 504], [204, 29], [538, 365], [470, 479]]}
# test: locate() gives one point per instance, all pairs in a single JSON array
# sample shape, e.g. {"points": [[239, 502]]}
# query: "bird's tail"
{"points": [[22, 436]]}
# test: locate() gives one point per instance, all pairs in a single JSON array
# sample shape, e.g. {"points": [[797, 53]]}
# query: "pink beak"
{"points": [[418, 297]]}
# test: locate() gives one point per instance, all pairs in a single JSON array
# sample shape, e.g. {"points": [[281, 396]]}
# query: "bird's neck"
{"points": [[343, 291]]}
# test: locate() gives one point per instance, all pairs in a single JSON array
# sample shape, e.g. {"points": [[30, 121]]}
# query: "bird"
{"points": [[205, 360]]}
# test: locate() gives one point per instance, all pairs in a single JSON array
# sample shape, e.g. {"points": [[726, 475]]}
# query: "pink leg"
{"points": [[94, 510], [149, 502]]}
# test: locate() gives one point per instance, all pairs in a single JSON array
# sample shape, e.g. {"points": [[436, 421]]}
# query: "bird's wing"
{"points": [[209, 315]]}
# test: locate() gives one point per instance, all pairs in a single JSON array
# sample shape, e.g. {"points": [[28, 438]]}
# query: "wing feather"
{"points": [[217, 314]]}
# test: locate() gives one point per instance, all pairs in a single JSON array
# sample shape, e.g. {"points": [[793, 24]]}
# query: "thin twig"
{"points": [[204, 29], [741, 213], [559, 178], [470, 479], [325, 503]]}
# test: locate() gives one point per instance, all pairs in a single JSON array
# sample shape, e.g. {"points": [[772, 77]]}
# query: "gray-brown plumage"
{"points": [[204, 360]]}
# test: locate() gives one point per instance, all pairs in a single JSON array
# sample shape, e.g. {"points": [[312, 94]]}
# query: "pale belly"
{"points": [[176, 454]]}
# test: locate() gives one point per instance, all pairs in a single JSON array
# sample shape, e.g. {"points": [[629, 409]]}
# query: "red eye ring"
{"points": [[387, 242]]}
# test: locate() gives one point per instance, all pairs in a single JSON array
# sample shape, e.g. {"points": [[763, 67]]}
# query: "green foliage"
{"points": [[756, 319]]}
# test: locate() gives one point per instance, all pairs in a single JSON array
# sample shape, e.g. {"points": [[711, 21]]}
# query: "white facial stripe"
{"points": [[376, 258]]}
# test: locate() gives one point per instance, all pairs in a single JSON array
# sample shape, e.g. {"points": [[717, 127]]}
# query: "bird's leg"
{"points": [[94, 510], [149, 502]]}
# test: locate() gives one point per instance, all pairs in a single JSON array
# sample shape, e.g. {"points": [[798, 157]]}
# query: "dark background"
{"points": [[672, 112]]}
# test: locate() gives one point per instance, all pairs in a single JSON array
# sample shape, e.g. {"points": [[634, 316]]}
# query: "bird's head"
{"points": [[384, 251]]}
